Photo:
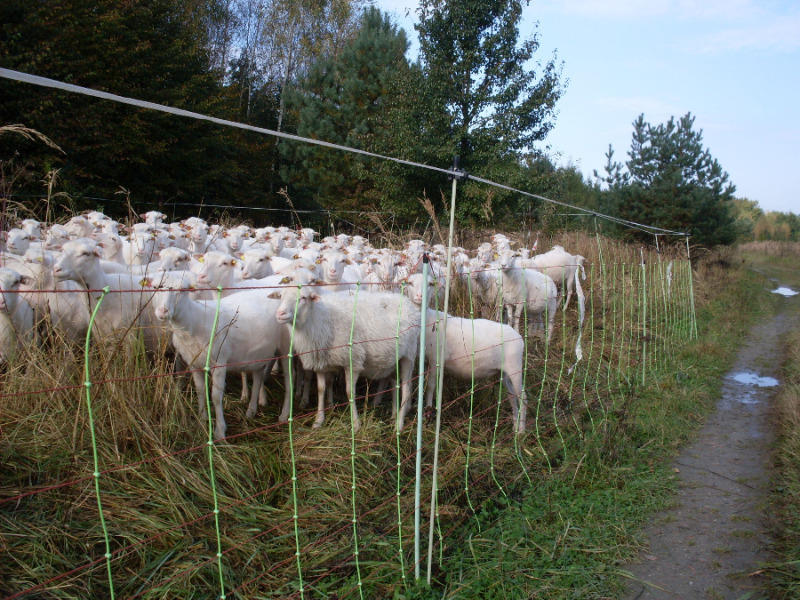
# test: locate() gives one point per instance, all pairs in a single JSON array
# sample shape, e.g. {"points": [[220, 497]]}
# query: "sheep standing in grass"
{"points": [[561, 266], [526, 290], [384, 329], [16, 315], [118, 312], [247, 339], [479, 349]]}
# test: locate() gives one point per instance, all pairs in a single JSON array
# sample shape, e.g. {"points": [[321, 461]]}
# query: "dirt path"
{"points": [[711, 543]]}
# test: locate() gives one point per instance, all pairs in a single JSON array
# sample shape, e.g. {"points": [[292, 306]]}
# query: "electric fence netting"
{"points": [[116, 484]]}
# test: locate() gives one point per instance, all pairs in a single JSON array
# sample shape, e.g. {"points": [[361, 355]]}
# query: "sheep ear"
{"points": [[97, 251], [314, 296], [240, 256], [274, 296], [143, 216], [25, 280], [198, 257]]}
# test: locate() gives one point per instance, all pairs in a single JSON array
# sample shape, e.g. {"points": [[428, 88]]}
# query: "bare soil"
{"points": [[712, 542]]}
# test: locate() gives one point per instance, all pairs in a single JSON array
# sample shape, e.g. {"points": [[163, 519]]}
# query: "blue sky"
{"points": [[734, 64]]}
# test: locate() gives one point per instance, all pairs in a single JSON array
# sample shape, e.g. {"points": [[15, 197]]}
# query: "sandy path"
{"points": [[711, 543]]}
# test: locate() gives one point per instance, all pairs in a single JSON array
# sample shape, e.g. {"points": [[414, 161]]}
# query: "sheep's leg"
{"points": [[518, 317], [321, 383], [286, 365], [350, 379], [258, 387], [200, 386], [517, 399], [552, 307], [262, 390], [383, 385], [217, 392], [406, 367], [245, 391], [433, 381]]}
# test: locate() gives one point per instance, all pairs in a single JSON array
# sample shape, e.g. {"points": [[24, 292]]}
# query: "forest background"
{"points": [[338, 71]]}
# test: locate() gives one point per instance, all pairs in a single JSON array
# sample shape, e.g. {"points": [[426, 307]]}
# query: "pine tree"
{"points": [[672, 182], [153, 50], [343, 100]]}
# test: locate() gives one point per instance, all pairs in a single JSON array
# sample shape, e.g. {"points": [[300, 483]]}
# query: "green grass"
{"points": [[780, 261]]}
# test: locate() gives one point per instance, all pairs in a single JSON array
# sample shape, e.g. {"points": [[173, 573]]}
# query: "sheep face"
{"points": [[173, 259], [214, 268], [79, 257], [166, 302], [295, 302], [10, 281], [17, 241], [256, 264]]}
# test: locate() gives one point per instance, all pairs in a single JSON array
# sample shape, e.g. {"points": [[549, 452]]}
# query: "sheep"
{"points": [[112, 246], [153, 217], [327, 337], [32, 227], [141, 247], [525, 288], [247, 339], [484, 281], [80, 262], [174, 259], [477, 349], [332, 269], [18, 241], [413, 290], [16, 315], [256, 264], [561, 266], [56, 237], [63, 301], [79, 226]]}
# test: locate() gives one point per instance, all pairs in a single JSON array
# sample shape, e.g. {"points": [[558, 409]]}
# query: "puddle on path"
{"points": [[784, 291], [753, 379]]}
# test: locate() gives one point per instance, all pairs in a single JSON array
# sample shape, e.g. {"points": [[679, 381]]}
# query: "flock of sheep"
{"points": [[251, 297]]}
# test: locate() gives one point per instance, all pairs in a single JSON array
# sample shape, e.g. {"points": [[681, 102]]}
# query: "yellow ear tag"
{"points": [[286, 280], [39, 259], [233, 262], [146, 283], [201, 259]]}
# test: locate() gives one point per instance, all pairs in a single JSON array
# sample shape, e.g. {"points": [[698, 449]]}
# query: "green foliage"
{"points": [[149, 50], [672, 182], [482, 100], [342, 100]]}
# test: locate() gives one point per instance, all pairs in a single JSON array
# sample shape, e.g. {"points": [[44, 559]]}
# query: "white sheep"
{"points": [[16, 315], [366, 335], [477, 349], [247, 339], [527, 290], [561, 266], [118, 312], [64, 301], [17, 241]]}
